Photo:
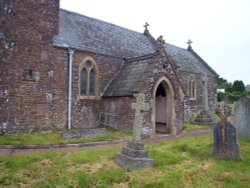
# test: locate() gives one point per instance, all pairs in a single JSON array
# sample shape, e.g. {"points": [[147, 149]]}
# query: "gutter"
{"points": [[70, 60]]}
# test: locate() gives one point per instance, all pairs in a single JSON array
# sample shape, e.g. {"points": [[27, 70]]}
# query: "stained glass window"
{"points": [[84, 81], [88, 80], [92, 82]]}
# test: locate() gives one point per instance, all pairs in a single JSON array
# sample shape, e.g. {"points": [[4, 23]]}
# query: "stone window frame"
{"points": [[89, 68], [192, 89]]}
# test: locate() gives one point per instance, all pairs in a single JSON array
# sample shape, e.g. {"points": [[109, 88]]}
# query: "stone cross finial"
{"points": [[160, 40], [189, 42], [146, 26], [139, 106]]}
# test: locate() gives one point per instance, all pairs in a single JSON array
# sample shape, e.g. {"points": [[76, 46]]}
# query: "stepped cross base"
{"points": [[134, 157], [204, 118]]}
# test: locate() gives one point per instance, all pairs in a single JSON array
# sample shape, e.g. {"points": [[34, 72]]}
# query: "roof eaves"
{"points": [[65, 46], [204, 63]]}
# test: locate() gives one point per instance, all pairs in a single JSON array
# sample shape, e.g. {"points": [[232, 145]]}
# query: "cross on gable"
{"points": [[189, 42], [146, 25], [138, 106]]}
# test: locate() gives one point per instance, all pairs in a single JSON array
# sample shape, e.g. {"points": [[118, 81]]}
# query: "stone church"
{"points": [[64, 70]]}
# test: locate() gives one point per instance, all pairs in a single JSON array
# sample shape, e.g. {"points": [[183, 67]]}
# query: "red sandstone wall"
{"points": [[86, 111], [120, 107], [33, 72]]}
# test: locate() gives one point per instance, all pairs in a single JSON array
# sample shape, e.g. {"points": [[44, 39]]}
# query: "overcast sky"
{"points": [[219, 29]]}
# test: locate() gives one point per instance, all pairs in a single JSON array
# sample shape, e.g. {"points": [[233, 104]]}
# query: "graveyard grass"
{"points": [[180, 163], [54, 137]]}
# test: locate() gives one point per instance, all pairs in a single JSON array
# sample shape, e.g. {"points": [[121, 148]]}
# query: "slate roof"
{"points": [[188, 61], [98, 37], [130, 79], [92, 35]]}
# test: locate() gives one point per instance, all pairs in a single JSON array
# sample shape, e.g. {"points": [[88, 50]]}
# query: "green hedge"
{"points": [[232, 96]]}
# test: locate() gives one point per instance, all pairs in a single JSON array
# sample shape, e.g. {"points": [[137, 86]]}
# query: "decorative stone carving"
{"points": [[225, 137], [134, 156]]}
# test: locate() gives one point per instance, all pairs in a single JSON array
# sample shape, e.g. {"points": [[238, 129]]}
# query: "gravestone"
{"points": [[225, 137], [134, 156], [242, 117]]}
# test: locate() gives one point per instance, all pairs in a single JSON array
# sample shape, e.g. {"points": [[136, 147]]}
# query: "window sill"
{"points": [[88, 97]]}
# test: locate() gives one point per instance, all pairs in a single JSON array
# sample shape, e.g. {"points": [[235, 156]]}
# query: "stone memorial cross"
{"points": [[225, 137], [138, 106], [223, 122]]}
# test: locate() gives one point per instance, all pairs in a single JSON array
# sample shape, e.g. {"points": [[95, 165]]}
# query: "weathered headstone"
{"points": [[225, 137], [134, 156], [242, 118]]}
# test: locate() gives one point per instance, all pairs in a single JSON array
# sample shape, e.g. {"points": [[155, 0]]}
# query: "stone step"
{"points": [[135, 153], [203, 119], [204, 116]]}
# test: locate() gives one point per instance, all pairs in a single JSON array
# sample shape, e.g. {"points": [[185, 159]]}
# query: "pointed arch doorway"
{"points": [[163, 115]]}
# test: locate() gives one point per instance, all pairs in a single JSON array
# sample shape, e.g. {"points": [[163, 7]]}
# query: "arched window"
{"points": [[192, 89], [88, 79]]}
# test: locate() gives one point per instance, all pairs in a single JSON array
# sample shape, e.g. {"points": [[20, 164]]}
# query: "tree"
{"points": [[224, 84], [248, 87], [238, 86]]}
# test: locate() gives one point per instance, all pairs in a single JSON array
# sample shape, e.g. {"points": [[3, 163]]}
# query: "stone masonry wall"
{"points": [[212, 94], [119, 108], [196, 105], [33, 73], [86, 112], [162, 68]]}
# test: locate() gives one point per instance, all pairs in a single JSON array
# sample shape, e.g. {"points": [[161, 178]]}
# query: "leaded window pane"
{"points": [[84, 81], [92, 82]]}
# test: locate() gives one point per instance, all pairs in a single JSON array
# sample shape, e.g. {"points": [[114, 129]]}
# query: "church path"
{"points": [[100, 145]]}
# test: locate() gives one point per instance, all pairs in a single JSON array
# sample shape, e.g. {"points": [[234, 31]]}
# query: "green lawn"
{"points": [[195, 127], [180, 163], [54, 137]]}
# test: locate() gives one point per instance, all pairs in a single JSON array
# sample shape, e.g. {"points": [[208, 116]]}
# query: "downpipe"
{"points": [[70, 59]]}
